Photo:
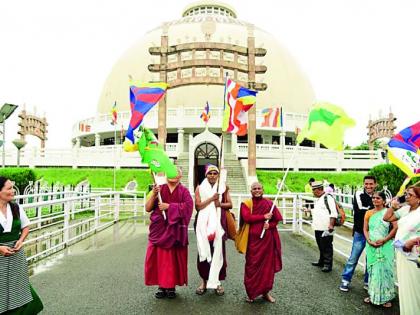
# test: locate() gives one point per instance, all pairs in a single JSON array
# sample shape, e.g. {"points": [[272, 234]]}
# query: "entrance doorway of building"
{"points": [[204, 154]]}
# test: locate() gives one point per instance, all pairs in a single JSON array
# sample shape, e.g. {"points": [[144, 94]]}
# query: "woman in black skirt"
{"points": [[16, 294]]}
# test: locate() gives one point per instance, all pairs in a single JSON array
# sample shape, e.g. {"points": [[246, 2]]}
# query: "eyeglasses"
{"points": [[376, 197]]}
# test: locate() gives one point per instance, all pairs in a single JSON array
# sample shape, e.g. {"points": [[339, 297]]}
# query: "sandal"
{"points": [[219, 290], [269, 298], [248, 300], [387, 305], [366, 300], [200, 290]]}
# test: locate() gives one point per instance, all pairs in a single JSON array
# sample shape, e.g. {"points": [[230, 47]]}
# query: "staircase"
{"points": [[235, 177]]}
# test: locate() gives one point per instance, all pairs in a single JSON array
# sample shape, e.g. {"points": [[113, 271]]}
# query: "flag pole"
{"points": [[281, 185], [115, 153], [159, 195], [282, 136], [221, 162]]}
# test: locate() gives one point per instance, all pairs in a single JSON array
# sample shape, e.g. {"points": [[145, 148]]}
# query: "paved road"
{"points": [[104, 275]]}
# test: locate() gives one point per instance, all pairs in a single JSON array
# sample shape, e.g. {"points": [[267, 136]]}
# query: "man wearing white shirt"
{"points": [[323, 220]]}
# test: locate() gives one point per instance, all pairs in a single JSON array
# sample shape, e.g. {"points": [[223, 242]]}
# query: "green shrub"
{"points": [[21, 176], [296, 181], [391, 176], [98, 177]]}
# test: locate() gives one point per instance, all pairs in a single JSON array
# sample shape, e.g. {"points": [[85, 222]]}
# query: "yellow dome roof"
{"points": [[214, 22]]}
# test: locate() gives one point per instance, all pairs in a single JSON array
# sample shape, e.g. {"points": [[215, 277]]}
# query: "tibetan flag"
{"points": [[238, 101], [114, 114], [326, 124], [143, 96], [271, 117], [404, 150], [205, 115]]}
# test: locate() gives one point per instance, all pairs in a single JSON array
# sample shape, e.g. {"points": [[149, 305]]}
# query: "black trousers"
{"points": [[325, 245]]}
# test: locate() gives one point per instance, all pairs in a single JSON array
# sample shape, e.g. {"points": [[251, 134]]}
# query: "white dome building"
{"points": [[193, 54]]}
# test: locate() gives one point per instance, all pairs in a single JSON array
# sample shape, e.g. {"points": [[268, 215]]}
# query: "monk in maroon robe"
{"points": [[167, 250], [263, 255]]}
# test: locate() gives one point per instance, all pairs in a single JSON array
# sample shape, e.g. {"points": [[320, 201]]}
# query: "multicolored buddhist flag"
{"points": [[143, 96], [238, 101], [114, 114], [272, 117], [404, 150], [326, 124], [205, 115]]}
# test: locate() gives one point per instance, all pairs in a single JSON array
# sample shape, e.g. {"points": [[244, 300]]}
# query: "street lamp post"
{"points": [[5, 111], [19, 143]]}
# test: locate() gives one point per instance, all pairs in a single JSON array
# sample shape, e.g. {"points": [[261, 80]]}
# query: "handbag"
{"points": [[241, 240], [231, 225]]}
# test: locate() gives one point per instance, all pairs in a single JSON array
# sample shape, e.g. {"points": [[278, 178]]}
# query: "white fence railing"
{"points": [[60, 222]]}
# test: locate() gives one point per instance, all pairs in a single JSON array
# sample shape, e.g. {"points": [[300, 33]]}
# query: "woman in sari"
{"points": [[407, 244], [16, 294], [379, 253]]}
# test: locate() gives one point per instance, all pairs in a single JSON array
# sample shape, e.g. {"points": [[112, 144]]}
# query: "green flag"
{"points": [[326, 124], [152, 153]]}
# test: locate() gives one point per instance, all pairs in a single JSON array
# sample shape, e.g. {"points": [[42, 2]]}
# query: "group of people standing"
{"points": [[376, 225], [171, 208], [387, 231]]}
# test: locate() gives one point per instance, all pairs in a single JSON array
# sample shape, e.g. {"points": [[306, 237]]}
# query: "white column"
{"points": [[180, 140], [97, 139]]}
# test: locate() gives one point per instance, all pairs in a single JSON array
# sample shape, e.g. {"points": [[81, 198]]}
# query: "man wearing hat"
{"points": [[323, 221]]}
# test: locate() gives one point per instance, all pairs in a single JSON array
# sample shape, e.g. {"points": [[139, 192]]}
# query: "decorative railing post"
{"points": [[39, 216], [144, 204], [66, 232], [299, 204], [117, 206], [135, 205], [97, 211], [294, 215]]}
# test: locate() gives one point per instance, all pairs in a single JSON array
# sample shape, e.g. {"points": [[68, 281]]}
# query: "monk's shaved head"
{"points": [[256, 184]]}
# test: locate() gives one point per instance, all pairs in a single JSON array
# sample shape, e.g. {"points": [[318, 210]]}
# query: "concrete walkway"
{"points": [[104, 275]]}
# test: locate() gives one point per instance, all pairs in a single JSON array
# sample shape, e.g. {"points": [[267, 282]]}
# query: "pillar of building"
{"points": [[97, 139], [180, 140], [252, 124], [163, 78]]}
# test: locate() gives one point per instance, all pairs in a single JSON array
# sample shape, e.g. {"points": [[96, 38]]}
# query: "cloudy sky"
{"points": [[363, 55]]}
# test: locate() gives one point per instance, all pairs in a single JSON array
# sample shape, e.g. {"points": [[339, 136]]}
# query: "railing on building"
{"points": [[268, 156]]}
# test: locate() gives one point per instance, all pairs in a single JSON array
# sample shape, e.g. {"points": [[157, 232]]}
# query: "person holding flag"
{"points": [[263, 255], [167, 250], [211, 231]]}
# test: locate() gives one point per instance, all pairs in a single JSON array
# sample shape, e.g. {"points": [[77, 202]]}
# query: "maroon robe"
{"points": [[263, 256], [167, 251]]}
